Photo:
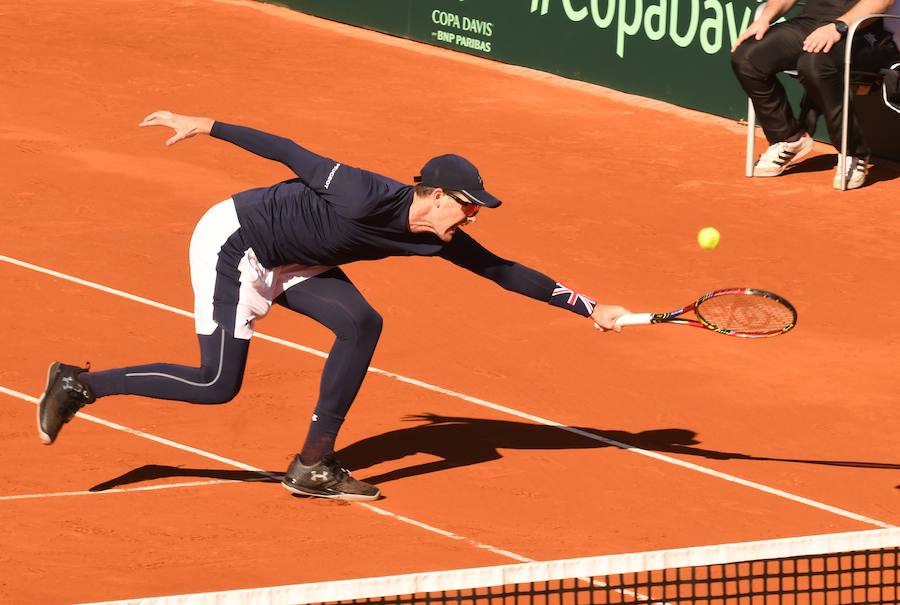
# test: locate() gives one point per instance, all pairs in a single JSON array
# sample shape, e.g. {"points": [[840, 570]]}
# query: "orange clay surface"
{"points": [[603, 192]]}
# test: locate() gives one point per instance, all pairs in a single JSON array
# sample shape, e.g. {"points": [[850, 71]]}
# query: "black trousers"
{"points": [[756, 63]]}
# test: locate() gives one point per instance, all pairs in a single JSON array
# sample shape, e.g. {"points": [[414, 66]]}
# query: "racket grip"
{"points": [[634, 319]]}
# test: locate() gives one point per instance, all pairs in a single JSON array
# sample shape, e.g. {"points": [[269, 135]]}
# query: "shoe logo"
{"points": [[69, 384], [319, 476]]}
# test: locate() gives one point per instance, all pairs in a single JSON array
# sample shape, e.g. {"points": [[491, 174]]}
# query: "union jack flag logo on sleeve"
{"points": [[569, 299]]}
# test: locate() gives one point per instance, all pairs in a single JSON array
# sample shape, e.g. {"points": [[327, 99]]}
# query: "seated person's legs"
{"points": [[822, 77], [756, 64]]}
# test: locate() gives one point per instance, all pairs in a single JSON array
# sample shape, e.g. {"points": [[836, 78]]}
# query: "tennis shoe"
{"points": [[327, 479], [779, 156], [63, 397], [857, 168]]}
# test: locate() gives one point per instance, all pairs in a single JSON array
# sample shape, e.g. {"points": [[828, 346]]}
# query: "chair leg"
{"points": [[751, 138], [845, 108]]}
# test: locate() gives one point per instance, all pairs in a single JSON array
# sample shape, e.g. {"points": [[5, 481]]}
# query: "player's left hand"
{"points": [[822, 39], [184, 126], [605, 316]]}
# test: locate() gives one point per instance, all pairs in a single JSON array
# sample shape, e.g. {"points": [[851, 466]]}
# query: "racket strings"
{"points": [[746, 313]]}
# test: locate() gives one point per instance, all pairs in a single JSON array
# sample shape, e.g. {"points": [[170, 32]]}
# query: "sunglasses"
{"points": [[468, 208]]}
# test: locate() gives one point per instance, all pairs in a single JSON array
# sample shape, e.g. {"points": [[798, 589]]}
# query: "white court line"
{"points": [[262, 473], [481, 402]]}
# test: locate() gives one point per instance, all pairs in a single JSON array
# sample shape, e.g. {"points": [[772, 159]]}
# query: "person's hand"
{"points": [[822, 39], [605, 316], [756, 30], [184, 126]]}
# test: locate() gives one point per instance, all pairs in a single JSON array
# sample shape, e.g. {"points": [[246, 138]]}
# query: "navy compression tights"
{"points": [[330, 299]]}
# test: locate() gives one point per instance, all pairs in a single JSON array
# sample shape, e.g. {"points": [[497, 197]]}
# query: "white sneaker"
{"points": [[779, 156], [857, 169]]}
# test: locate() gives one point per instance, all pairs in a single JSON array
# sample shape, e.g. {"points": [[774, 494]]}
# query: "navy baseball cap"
{"points": [[456, 173]]}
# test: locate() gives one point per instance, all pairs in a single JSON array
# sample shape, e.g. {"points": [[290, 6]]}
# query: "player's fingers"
{"points": [[157, 118], [174, 139]]}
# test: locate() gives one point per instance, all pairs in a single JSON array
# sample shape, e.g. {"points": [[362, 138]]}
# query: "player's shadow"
{"points": [[459, 441], [462, 441], [150, 472]]}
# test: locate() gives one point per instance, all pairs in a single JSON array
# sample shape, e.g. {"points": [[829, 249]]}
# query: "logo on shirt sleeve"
{"points": [[331, 175]]}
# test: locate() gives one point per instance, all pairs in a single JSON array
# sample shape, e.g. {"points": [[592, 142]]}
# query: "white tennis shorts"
{"points": [[233, 289]]}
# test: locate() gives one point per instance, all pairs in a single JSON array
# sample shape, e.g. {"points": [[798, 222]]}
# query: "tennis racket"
{"points": [[745, 312]]}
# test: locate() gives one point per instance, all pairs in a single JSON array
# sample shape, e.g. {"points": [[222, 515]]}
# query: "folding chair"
{"points": [[894, 18]]}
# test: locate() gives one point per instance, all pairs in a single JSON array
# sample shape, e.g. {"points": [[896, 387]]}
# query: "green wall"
{"points": [[674, 50]]}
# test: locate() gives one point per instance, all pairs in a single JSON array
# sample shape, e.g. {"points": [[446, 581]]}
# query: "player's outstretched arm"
{"points": [[469, 254], [312, 168], [184, 126]]}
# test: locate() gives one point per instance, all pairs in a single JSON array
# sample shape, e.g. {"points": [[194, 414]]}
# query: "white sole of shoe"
{"points": [[348, 497], [767, 172], [45, 438], [850, 186]]}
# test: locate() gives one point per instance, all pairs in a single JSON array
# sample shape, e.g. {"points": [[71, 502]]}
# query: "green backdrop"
{"points": [[674, 50]]}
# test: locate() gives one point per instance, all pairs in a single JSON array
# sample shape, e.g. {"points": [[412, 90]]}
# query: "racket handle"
{"points": [[634, 319]]}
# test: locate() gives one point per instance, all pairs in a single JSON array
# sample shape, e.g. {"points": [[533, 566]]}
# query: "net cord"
{"points": [[523, 573]]}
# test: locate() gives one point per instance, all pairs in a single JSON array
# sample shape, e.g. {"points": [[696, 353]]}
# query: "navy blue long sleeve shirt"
{"points": [[333, 214]]}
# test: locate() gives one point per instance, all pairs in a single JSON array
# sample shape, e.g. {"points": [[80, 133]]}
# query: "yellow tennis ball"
{"points": [[708, 238]]}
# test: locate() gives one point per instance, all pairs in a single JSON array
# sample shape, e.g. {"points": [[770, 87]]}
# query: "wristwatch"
{"points": [[840, 26]]}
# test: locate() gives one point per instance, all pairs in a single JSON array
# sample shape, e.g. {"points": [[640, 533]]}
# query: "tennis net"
{"points": [[853, 567]]}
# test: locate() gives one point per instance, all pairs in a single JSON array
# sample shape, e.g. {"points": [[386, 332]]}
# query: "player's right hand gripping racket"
{"points": [[745, 312]]}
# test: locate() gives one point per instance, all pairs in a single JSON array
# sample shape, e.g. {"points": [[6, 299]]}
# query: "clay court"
{"points": [[733, 439]]}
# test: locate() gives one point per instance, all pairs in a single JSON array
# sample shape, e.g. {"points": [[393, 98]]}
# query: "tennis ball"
{"points": [[708, 238]]}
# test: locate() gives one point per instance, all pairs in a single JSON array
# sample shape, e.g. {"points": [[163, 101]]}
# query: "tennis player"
{"points": [[285, 244]]}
